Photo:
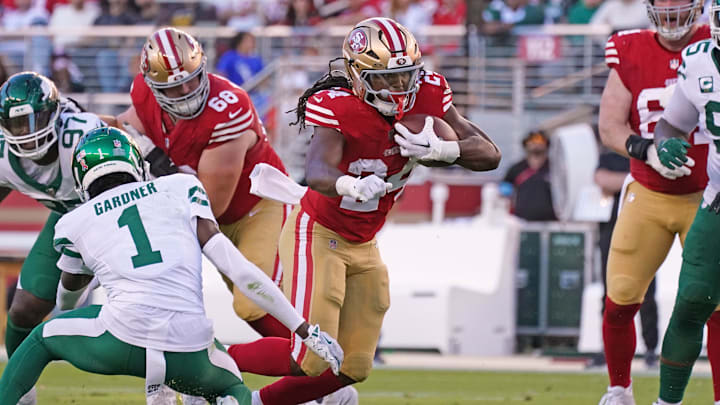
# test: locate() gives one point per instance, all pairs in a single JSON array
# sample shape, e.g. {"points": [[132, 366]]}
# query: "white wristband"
{"points": [[449, 151], [67, 299]]}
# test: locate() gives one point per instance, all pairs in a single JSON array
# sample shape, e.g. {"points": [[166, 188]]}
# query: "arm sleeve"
{"points": [[250, 280], [681, 112], [198, 200]]}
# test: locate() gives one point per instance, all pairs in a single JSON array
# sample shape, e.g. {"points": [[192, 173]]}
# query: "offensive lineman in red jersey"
{"points": [[355, 172], [209, 127], [659, 203]]}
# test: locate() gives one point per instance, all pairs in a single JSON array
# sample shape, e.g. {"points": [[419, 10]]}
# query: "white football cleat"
{"points": [[618, 395], [346, 395], [191, 400], [227, 400], [163, 396], [30, 398]]}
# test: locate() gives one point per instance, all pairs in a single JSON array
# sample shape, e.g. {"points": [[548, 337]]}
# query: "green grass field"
{"points": [[63, 384]]}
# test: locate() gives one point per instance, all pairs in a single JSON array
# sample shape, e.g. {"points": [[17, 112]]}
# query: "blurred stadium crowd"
{"points": [[236, 58]]}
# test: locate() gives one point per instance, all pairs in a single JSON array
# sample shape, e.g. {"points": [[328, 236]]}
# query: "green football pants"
{"points": [[80, 339], [697, 297]]}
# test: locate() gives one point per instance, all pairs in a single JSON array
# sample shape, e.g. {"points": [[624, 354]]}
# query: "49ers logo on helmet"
{"points": [[144, 62], [358, 41]]}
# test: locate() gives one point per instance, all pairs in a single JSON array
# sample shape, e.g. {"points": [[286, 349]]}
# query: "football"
{"points": [[416, 122]]}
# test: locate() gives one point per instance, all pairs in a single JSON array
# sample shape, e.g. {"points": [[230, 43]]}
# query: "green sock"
{"points": [[673, 379], [681, 346], [14, 336]]}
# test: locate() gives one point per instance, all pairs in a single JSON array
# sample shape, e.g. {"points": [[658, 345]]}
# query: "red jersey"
{"points": [[227, 114], [649, 71], [368, 150]]}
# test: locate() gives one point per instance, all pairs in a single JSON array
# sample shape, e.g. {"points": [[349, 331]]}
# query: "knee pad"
{"points": [[357, 366], [626, 290], [312, 365], [246, 309], [696, 301]]}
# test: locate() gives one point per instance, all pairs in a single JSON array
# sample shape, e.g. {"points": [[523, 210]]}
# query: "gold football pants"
{"points": [[340, 285]]}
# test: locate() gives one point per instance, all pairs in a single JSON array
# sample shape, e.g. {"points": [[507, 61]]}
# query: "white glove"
{"points": [[362, 189], [325, 347], [145, 143], [672, 174], [426, 145]]}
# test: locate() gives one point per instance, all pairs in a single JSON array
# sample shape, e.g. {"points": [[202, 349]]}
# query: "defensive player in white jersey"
{"points": [[144, 242], [39, 132], [695, 102]]}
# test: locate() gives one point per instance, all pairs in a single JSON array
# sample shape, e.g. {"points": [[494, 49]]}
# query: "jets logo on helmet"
{"points": [[171, 58], [383, 61], [103, 151], [29, 109]]}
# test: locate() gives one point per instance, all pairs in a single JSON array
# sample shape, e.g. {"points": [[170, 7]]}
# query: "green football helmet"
{"points": [[104, 151], [29, 109]]}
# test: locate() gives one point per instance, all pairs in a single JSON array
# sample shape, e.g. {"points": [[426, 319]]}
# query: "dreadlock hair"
{"points": [[327, 81]]}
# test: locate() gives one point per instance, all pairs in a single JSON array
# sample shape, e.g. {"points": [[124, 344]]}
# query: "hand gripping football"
{"points": [[415, 123]]}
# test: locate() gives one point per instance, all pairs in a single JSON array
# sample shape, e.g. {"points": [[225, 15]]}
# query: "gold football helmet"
{"points": [[383, 61], [170, 58]]}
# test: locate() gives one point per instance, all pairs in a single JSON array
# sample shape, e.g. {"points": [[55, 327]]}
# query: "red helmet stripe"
{"points": [[162, 51], [399, 33], [390, 33], [171, 42]]}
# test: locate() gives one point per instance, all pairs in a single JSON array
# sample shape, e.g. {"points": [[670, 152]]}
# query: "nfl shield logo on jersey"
{"points": [[674, 64], [706, 84]]}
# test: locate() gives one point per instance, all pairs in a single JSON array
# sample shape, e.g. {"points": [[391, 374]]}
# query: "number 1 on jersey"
{"points": [[130, 217]]}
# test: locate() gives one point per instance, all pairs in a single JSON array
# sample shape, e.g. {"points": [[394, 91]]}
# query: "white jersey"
{"points": [[52, 185], [696, 102], [140, 241]]}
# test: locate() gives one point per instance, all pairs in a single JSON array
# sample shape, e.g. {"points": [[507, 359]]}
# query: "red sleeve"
{"points": [[139, 91], [616, 55], [323, 109], [142, 98], [435, 96], [230, 118]]}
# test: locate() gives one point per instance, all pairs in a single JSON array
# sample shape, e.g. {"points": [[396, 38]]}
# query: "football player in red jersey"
{"points": [[355, 172], [209, 127], [658, 203]]}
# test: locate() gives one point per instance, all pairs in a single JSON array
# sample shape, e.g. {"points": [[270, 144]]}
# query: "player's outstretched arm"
{"points": [[252, 282], [477, 151]]}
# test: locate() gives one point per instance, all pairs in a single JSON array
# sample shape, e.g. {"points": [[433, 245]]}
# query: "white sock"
{"points": [[256, 398], [661, 402]]}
